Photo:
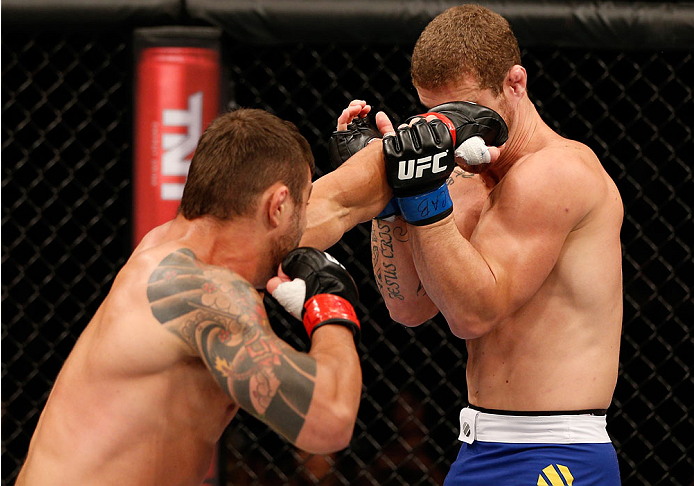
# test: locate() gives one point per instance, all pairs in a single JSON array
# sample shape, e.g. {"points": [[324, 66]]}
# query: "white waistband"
{"points": [[523, 429]]}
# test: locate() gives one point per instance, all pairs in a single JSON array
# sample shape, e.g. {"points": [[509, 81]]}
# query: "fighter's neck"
{"points": [[235, 245], [525, 130]]}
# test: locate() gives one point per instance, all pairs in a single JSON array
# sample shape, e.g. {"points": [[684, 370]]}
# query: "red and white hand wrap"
{"points": [[321, 292], [324, 309]]}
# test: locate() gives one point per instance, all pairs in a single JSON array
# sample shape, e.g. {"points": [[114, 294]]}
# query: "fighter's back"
{"points": [[132, 404]]}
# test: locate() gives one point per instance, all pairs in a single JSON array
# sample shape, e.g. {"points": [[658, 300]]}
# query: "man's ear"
{"points": [[277, 204], [516, 81]]}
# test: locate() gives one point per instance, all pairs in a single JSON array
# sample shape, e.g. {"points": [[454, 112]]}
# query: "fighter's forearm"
{"points": [[353, 193], [336, 394], [396, 275], [458, 279]]}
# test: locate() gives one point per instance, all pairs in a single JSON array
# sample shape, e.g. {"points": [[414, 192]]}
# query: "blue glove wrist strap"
{"points": [[426, 208], [391, 209]]}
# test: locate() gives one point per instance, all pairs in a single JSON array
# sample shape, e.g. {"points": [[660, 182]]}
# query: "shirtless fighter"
{"points": [[526, 269], [182, 340]]}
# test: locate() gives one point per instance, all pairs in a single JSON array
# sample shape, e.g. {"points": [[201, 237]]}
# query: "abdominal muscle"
{"points": [[545, 359], [560, 350]]}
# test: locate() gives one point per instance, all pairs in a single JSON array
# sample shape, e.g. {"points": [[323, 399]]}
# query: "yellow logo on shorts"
{"points": [[555, 473]]}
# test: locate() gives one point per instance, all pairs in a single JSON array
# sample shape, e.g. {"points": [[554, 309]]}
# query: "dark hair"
{"points": [[240, 154], [463, 41]]}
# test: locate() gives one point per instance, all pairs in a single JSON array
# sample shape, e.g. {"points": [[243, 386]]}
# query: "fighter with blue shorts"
{"points": [[516, 243], [510, 231], [534, 448]]}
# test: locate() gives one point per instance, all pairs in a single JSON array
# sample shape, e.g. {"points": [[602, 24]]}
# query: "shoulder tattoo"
{"points": [[219, 315]]}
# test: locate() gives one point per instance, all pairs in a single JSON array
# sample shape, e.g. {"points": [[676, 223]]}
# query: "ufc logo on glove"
{"points": [[419, 156], [407, 169]]}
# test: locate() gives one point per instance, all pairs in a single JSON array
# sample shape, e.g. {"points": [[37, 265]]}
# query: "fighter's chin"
{"points": [[280, 249], [474, 169]]}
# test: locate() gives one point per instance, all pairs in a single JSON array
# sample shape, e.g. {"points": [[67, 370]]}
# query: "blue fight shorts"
{"points": [[533, 450]]}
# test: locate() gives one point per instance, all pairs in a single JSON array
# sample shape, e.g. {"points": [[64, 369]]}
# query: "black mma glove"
{"points": [[321, 292], [419, 158], [468, 121], [345, 143], [423, 195]]}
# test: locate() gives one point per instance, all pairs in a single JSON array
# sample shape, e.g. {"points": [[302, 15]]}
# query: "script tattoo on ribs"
{"points": [[219, 314]]}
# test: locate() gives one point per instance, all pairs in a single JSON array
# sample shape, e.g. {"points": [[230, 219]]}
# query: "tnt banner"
{"points": [[177, 94]]}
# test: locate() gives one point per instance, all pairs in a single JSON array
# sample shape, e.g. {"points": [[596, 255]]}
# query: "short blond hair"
{"points": [[469, 40]]}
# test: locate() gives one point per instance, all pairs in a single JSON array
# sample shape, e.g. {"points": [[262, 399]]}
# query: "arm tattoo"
{"points": [[385, 270], [456, 174], [221, 317], [383, 258]]}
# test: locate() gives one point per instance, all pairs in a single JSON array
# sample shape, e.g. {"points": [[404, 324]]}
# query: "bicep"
{"points": [[521, 234], [520, 261]]}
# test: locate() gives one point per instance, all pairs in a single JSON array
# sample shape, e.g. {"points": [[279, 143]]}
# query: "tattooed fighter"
{"points": [[182, 340]]}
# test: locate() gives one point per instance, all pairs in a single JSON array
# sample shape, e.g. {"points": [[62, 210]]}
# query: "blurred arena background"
{"points": [[617, 76]]}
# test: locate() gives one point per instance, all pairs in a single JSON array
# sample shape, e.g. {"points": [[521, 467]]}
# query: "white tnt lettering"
{"points": [[179, 147], [408, 169], [171, 191]]}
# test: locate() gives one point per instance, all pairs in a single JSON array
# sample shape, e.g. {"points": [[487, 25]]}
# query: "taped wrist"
{"points": [[474, 151], [427, 208], [291, 296], [322, 309]]}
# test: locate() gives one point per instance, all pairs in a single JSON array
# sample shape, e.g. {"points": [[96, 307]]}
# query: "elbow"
{"points": [[408, 319], [339, 433], [412, 316], [470, 327], [473, 321], [332, 434]]}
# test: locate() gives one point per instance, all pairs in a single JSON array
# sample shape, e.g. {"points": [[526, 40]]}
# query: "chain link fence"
{"points": [[66, 230]]}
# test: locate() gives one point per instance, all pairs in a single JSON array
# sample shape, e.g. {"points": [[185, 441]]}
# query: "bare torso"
{"points": [[132, 405], [558, 351]]}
